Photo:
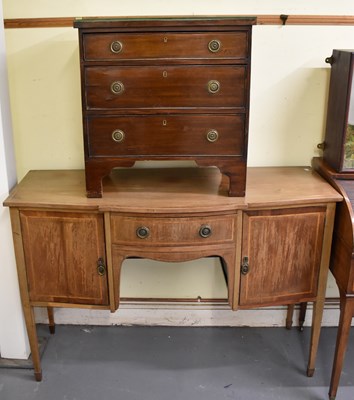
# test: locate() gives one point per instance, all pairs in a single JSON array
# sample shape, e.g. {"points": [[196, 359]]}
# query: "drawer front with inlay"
{"points": [[166, 45], [166, 135], [165, 87], [132, 230]]}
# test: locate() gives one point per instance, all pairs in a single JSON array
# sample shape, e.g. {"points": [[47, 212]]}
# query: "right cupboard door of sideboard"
{"points": [[281, 255], [64, 257]]}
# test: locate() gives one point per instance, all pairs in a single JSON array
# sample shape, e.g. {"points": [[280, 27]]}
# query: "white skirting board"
{"points": [[177, 314]]}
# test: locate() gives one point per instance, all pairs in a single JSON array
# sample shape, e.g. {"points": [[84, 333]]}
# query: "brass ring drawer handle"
{"points": [[212, 135], [214, 45], [116, 47], [205, 231], [117, 87], [118, 136], [143, 232], [213, 86]]}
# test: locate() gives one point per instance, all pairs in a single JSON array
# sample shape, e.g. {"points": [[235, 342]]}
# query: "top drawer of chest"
{"points": [[192, 46]]}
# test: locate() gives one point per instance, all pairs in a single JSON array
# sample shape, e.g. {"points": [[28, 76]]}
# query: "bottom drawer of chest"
{"points": [[166, 135]]}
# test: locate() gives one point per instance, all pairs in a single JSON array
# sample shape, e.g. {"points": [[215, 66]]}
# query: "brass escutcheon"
{"points": [[118, 135], [213, 86], [214, 45], [116, 47], [117, 87]]}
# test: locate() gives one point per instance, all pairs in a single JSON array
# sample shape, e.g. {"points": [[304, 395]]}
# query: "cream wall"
{"points": [[43, 8], [13, 337], [288, 101]]}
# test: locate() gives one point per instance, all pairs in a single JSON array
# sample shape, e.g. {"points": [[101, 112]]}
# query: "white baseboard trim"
{"points": [[177, 314]]}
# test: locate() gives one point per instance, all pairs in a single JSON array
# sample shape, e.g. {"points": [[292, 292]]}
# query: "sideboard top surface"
{"points": [[172, 190]]}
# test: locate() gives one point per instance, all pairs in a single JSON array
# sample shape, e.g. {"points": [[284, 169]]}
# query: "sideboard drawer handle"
{"points": [[118, 136], [143, 232], [212, 135], [117, 87], [205, 231], [101, 268], [213, 86], [214, 45], [116, 47]]}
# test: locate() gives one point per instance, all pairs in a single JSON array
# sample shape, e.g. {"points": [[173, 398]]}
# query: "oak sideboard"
{"points": [[274, 243]]}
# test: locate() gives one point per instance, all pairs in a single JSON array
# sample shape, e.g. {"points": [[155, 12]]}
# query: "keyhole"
{"points": [[164, 122], [165, 39], [164, 74]]}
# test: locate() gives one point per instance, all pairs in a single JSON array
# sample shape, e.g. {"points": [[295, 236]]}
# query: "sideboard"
{"points": [[274, 243]]}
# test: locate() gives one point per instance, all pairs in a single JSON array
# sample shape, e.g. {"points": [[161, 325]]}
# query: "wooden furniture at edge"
{"points": [[274, 243], [165, 89], [342, 262]]}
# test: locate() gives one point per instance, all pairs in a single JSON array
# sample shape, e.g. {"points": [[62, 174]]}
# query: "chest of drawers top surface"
{"points": [[165, 89]]}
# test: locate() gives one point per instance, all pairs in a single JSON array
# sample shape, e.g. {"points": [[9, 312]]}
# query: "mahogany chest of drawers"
{"points": [[165, 89]]}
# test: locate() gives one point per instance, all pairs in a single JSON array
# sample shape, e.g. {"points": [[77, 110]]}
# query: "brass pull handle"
{"points": [[117, 87], [116, 46], [101, 268], [213, 86], [118, 136], [245, 266], [205, 231], [214, 45], [212, 135], [143, 232]]}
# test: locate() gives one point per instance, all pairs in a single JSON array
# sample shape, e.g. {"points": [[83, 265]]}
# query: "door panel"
{"points": [[62, 252], [283, 248]]}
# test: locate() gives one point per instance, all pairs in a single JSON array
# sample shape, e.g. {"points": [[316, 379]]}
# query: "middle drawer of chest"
{"points": [[132, 230], [139, 135], [159, 87]]}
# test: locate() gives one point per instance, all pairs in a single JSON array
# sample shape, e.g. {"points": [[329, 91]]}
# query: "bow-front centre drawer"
{"points": [[131, 230], [170, 135], [165, 45], [157, 87]]}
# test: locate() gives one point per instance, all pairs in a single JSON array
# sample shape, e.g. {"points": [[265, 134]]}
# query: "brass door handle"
{"points": [[116, 47], [245, 266], [213, 86], [101, 268]]}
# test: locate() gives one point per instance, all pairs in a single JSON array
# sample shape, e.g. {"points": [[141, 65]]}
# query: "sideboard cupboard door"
{"points": [[281, 255], [65, 257]]}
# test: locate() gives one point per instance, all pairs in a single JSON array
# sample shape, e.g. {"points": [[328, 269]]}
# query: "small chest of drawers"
{"points": [[165, 89]]}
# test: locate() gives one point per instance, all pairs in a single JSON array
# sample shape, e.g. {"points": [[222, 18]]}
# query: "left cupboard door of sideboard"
{"points": [[65, 257]]}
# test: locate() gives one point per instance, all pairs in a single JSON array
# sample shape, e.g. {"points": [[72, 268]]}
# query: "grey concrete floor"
{"points": [[167, 363]]}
